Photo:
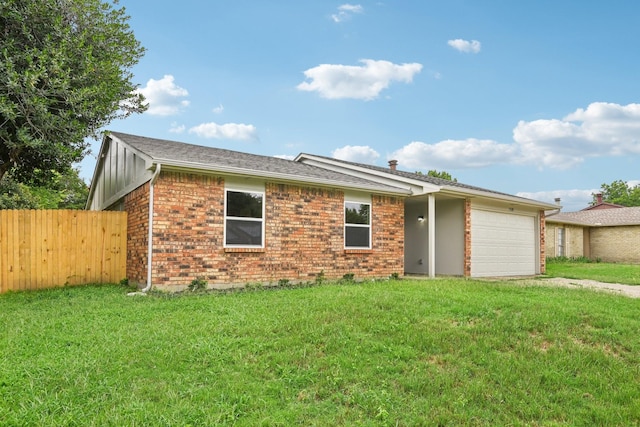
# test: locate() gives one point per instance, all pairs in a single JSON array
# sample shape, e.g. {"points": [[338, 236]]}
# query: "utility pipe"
{"points": [[150, 236]]}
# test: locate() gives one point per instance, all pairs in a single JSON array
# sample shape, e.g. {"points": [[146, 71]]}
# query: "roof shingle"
{"points": [[182, 154], [599, 217]]}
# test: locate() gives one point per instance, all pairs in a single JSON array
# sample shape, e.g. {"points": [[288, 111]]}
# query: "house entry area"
{"points": [[448, 236], [502, 240]]}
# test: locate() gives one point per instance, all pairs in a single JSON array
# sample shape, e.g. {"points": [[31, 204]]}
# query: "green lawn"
{"points": [[407, 352], [628, 274]]}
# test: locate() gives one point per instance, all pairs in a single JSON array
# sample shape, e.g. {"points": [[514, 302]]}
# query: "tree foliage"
{"points": [[439, 174], [620, 193], [64, 191], [64, 74]]}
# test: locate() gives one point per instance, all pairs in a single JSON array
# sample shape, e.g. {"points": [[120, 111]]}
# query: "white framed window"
{"points": [[357, 225], [562, 242], [243, 218]]}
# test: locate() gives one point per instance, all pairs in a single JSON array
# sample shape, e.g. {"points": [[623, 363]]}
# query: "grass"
{"points": [[582, 268], [408, 352]]}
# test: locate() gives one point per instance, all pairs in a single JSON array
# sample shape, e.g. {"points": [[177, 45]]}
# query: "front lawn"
{"points": [[407, 352], [628, 274]]}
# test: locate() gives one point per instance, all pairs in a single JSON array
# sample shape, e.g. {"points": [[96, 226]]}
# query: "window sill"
{"points": [[358, 251], [244, 250]]}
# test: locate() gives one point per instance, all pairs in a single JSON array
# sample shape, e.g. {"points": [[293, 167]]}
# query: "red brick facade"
{"points": [[467, 238], [303, 235], [136, 204], [543, 233]]}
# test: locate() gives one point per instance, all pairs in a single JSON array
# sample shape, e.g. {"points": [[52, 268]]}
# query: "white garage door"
{"points": [[502, 244]]}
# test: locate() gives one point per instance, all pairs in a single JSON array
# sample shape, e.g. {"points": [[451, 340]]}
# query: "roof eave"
{"points": [[498, 196], [168, 164], [426, 186]]}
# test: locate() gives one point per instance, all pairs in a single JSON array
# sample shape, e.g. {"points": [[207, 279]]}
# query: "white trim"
{"points": [[369, 226], [416, 186], [431, 225], [279, 176], [411, 186], [245, 188]]}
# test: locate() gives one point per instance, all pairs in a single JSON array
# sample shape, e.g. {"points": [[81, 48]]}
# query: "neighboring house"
{"points": [[599, 204], [609, 234], [233, 218]]}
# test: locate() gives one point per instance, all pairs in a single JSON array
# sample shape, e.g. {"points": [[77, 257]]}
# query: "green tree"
{"points": [[64, 191], [65, 72], [620, 193], [14, 195], [439, 174]]}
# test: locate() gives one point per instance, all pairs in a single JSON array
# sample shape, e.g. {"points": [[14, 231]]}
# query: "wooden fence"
{"points": [[48, 248]]}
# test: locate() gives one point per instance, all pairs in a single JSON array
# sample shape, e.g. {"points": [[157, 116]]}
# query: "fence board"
{"points": [[47, 248]]}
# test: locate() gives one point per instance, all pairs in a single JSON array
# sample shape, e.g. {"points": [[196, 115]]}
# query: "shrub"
{"points": [[198, 284]]}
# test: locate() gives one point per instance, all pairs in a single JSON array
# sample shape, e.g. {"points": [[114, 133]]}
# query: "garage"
{"points": [[502, 244]]}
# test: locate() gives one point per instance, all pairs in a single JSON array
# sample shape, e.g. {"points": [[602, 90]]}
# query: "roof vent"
{"points": [[393, 164]]}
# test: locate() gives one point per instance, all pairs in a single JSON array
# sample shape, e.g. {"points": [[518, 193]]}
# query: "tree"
{"points": [[437, 174], [620, 193], [65, 191], [64, 74]]}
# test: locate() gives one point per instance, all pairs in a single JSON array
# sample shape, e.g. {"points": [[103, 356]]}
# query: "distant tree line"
{"points": [[620, 193], [438, 174]]}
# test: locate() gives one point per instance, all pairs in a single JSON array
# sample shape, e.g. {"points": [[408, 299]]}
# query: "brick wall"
{"points": [[467, 238], [616, 244], [574, 244], [136, 204], [303, 235], [543, 258]]}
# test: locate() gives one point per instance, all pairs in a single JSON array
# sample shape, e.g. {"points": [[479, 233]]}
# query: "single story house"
{"points": [[611, 234], [233, 218]]}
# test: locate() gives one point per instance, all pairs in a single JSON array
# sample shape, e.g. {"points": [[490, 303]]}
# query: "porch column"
{"points": [[431, 224]]}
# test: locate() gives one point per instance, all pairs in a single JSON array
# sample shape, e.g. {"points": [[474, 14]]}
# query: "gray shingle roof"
{"points": [[443, 183], [599, 217], [180, 154]]}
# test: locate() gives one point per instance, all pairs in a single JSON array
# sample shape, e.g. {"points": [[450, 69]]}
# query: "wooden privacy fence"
{"points": [[47, 248]]}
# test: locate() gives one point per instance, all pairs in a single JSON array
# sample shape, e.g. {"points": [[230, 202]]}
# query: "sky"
{"points": [[538, 99]]}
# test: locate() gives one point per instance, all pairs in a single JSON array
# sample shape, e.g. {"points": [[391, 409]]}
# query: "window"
{"points": [[561, 242], [244, 224], [357, 225]]}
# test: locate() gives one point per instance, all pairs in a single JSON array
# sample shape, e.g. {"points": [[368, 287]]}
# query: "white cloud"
{"points": [[335, 81], [454, 154], [570, 200], [164, 97], [356, 153], [236, 131], [465, 46], [284, 156], [176, 128], [602, 129], [219, 109], [345, 11]]}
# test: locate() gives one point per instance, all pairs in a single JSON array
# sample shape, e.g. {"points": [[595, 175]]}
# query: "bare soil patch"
{"points": [[626, 290]]}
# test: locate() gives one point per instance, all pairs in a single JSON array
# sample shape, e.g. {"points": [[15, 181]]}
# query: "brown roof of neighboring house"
{"points": [[603, 205], [599, 217]]}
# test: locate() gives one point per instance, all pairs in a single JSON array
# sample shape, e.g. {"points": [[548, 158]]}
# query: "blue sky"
{"points": [[538, 99]]}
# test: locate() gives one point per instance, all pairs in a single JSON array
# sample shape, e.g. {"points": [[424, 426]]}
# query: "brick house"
{"points": [[611, 234], [234, 218]]}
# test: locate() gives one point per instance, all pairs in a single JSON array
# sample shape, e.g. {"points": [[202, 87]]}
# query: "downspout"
{"points": [[150, 236]]}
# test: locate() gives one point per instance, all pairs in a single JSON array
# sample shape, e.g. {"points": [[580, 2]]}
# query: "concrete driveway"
{"points": [[626, 290]]}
